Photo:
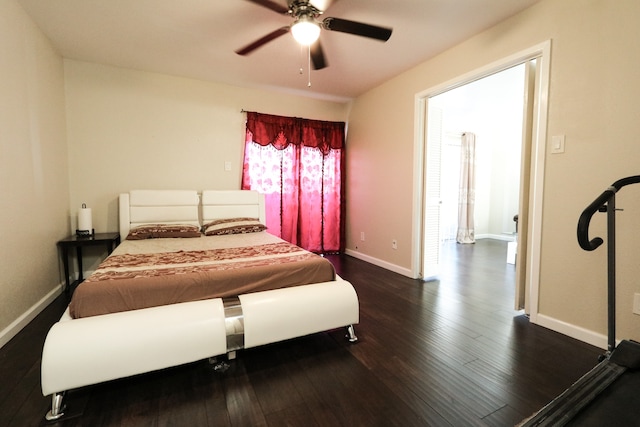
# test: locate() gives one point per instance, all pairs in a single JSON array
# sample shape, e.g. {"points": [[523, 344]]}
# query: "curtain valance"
{"points": [[281, 131]]}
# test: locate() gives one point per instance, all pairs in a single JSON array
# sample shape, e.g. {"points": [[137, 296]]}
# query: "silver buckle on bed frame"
{"points": [[234, 324]]}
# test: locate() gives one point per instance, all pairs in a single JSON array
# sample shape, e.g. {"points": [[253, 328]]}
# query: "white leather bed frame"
{"points": [[86, 351]]}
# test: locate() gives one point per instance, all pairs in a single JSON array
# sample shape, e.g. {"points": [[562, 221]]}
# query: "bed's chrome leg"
{"points": [[56, 407], [351, 334], [219, 365]]}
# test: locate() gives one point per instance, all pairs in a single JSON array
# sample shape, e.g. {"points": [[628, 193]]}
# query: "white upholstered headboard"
{"points": [[218, 204], [139, 207]]}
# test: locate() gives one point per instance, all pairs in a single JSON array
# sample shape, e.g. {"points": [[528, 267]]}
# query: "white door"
{"points": [[433, 201], [528, 129]]}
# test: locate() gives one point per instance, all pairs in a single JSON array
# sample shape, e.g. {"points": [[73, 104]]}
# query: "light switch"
{"points": [[557, 144], [227, 166]]}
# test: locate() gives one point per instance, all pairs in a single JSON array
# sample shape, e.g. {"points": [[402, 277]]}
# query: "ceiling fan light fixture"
{"points": [[305, 30]]}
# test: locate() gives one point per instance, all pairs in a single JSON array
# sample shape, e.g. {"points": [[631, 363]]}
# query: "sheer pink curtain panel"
{"points": [[298, 165]]}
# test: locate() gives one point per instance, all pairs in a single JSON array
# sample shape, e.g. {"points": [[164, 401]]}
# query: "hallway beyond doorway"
{"points": [[480, 270]]}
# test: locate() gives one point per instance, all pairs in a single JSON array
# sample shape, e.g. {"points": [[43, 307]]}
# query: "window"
{"points": [[297, 164]]}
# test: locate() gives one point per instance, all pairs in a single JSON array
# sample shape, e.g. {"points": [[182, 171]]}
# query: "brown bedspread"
{"points": [[133, 281]]}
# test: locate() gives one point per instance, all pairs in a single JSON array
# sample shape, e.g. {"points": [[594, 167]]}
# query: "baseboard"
{"points": [[504, 237], [17, 325], [380, 263], [573, 331]]}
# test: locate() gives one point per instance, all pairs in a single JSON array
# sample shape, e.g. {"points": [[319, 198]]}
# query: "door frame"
{"points": [[542, 53]]}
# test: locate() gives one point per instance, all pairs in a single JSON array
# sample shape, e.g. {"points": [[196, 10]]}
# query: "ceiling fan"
{"points": [[306, 27]]}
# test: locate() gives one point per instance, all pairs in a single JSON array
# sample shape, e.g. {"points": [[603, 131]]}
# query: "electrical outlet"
{"points": [[394, 244], [636, 304], [362, 236]]}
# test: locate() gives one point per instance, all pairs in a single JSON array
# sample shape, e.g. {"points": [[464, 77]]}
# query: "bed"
{"points": [[90, 347]]}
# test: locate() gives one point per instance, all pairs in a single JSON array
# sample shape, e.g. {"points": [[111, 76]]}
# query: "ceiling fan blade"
{"points": [[357, 28], [264, 40], [272, 5], [317, 56]]}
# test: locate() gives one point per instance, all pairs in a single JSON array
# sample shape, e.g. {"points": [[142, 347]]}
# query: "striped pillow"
{"points": [[233, 226], [157, 231]]}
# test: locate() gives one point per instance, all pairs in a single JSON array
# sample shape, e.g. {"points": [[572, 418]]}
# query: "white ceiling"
{"points": [[198, 38]]}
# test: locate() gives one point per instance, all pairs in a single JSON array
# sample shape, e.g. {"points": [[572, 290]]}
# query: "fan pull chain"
{"points": [[309, 66], [301, 59]]}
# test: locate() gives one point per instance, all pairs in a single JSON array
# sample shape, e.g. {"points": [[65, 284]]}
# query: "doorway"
{"points": [[531, 180], [492, 110]]}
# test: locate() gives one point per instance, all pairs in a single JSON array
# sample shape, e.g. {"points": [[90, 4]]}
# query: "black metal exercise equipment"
{"points": [[618, 360]]}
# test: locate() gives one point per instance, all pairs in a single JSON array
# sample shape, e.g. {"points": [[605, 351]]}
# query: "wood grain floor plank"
{"points": [[448, 352], [242, 403]]}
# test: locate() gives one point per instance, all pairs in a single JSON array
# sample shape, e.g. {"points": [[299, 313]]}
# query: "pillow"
{"points": [[232, 226], [156, 231]]}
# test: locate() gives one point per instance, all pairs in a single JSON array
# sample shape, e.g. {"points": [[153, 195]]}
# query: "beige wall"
{"points": [[593, 101], [137, 130], [33, 167]]}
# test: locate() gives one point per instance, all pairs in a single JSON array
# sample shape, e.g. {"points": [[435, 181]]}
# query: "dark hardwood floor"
{"points": [[450, 352]]}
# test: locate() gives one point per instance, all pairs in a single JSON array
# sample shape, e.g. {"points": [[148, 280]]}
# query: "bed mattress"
{"points": [[154, 272]]}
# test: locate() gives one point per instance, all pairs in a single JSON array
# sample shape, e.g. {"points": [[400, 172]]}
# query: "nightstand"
{"points": [[108, 240]]}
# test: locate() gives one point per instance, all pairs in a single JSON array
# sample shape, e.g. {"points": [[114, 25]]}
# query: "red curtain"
{"points": [[298, 165]]}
